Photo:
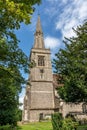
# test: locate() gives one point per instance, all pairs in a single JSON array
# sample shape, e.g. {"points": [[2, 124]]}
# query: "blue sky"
{"points": [[57, 19]]}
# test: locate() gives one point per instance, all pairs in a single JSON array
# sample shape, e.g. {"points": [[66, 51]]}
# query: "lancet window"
{"points": [[41, 61]]}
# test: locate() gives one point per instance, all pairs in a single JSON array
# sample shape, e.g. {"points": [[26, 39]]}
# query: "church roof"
{"points": [[57, 81]]}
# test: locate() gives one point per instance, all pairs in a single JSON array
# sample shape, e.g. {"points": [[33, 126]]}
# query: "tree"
{"points": [[13, 12], [71, 64], [60, 123], [12, 58], [69, 124], [57, 120]]}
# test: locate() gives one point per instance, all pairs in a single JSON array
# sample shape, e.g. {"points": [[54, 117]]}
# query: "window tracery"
{"points": [[41, 61]]}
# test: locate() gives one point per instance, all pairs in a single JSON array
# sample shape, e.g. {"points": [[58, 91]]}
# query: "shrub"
{"points": [[71, 116], [57, 121], [8, 127], [69, 124], [5, 127]]}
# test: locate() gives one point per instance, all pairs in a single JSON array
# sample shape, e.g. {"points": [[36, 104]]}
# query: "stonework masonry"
{"points": [[41, 98]]}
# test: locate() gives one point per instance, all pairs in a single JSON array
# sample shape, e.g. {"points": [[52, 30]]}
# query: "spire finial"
{"points": [[38, 26], [39, 42]]}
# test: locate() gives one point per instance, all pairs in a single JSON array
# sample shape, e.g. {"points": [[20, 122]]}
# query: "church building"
{"points": [[41, 98]]}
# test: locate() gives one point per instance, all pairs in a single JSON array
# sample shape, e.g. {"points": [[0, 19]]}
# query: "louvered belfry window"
{"points": [[41, 61]]}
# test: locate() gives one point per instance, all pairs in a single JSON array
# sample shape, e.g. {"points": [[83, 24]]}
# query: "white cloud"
{"points": [[67, 14], [83, 10], [21, 101], [52, 1], [65, 1], [21, 98], [72, 16], [51, 42]]}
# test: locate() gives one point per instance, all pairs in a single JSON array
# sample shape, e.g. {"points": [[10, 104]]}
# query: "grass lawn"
{"points": [[43, 126], [36, 126], [82, 127]]}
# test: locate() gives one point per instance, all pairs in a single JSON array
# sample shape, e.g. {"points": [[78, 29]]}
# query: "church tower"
{"points": [[39, 98]]}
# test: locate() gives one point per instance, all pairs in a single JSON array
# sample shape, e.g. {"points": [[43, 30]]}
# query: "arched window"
{"points": [[41, 61]]}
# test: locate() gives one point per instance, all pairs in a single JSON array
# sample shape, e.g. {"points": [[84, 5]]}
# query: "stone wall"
{"points": [[67, 108], [35, 114]]}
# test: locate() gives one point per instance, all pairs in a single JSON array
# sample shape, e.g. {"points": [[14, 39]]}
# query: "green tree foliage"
{"points": [[71, 64], [19, 115], [13, 12], [5, 127], [12, 58], [69, 124], [57, 121]]}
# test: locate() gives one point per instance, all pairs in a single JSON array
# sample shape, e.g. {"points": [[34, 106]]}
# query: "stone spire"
{"points": [[39, 42]]}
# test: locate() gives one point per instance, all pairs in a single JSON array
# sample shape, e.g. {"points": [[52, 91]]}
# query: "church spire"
{"points": [[39, 42], [38, 26]]}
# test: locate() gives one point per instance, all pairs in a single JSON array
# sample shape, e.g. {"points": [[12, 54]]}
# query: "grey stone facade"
{"points": [[41, 98]]}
